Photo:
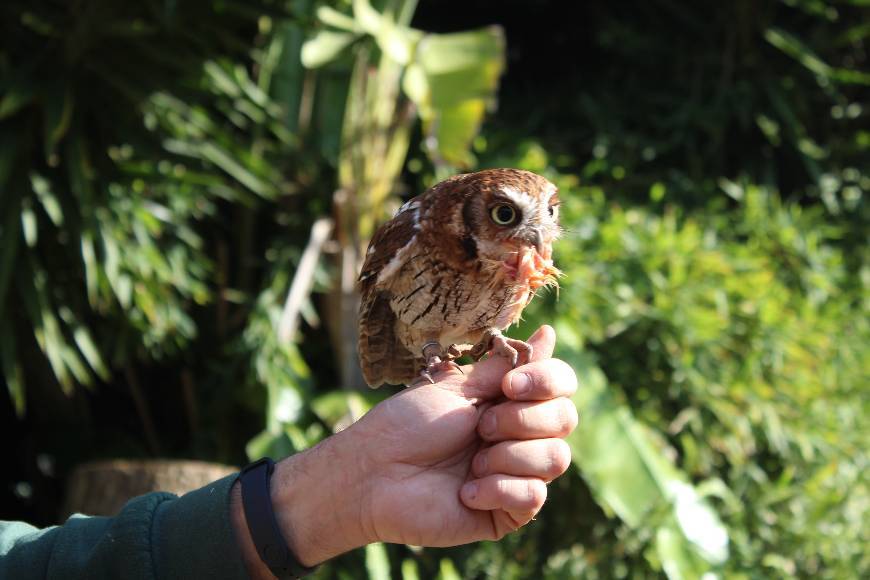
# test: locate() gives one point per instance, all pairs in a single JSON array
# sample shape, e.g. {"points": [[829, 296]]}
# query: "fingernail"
{"points": [[480, 462], [520, 384], [488, 424], [469, 490]]}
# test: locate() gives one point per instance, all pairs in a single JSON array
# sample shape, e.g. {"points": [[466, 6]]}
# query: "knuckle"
{"points": [[558, 458], [537, 493], [522, 416], [567, 417], [503, 488], [570, 375]]}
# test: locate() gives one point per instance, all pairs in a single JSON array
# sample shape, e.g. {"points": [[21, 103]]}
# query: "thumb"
{"points": [[543, 342], [482, 380]]}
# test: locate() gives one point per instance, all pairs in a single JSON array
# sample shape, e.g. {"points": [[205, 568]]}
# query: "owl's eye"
{"points": [[503, 215]]}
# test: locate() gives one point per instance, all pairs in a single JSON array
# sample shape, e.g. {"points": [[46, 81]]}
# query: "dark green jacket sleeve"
{"points": [[158, 535]]}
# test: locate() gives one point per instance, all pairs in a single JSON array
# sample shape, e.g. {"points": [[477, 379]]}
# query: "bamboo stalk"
{"points": [[303, 280]]}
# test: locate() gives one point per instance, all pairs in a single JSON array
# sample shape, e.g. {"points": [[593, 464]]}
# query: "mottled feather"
{"points": [[444, 271]]}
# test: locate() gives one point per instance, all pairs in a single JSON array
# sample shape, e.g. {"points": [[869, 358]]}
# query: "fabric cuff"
{"points": [[193, 535]]}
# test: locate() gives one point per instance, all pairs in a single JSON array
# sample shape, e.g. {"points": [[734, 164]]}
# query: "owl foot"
{"points": [[437, 359], [494, 342]]}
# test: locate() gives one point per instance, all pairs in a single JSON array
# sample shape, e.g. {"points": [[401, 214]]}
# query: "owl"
{"points": [[451, 270]]}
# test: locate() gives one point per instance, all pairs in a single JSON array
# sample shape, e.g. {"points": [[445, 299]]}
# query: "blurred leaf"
{"points": [[447, 570], [796, 49], [85, 343], [28, 224], [377, 562], [410, 570], [46, 332], [12, 371], [336, 19], [269, 444], [58, 115], [325, 47], [334, 406], [19, 95], [456, 127], [619, 459], [678, 562], [41, 187], [368, 18], [452, 80], [459, 66]]}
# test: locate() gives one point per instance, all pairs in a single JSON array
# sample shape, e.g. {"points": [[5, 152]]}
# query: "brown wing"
{"points": [[383, 357], [387, 241]]}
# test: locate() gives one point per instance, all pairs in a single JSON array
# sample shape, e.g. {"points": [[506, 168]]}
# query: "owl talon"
{"points": [[496, 343], [433, 353], [513, 349]]}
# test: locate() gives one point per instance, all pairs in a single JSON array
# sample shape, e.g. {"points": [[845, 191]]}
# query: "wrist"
{"points": [[317, 496]]}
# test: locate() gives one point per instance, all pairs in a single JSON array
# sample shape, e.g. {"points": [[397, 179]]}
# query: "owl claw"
{"points": [[495, 342], [425, 374], [433, 353]]}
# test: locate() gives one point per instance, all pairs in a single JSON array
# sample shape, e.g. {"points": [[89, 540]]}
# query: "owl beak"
{"points": [[538, 241]]}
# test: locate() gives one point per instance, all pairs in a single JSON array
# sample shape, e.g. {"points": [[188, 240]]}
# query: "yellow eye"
{"points": [[503, 215]]}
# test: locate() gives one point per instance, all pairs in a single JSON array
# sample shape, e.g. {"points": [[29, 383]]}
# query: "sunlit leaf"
{"points": [[269, 444], [447, 570], [452, 80], [377, 562], [619, 459], [42, 189], [28, 224], [226, 162], [410, 570], [85, 343], [368, 18], [336, 19], [337, 405], [325, 47]]}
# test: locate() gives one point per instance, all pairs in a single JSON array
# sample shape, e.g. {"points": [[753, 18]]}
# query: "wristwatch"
{"points": [[268, 540]]}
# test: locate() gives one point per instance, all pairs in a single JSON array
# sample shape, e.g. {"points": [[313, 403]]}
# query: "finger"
{"points": [[539, 381], [543, 341], [528, 420], [546, 459], [507, 522], [499, 491], [482, 380]]}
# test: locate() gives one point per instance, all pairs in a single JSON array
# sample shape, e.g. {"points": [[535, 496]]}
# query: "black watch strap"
{"points": [[270, 543]]}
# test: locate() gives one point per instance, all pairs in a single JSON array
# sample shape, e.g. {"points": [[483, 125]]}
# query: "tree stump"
{"points": [[101, 488]]}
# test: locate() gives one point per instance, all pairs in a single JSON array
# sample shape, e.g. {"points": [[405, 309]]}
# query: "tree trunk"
{"points": [[103, 487]]}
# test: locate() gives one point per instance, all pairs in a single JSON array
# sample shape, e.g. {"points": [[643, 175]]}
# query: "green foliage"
{"points": [[120, 136], [737, 338]]}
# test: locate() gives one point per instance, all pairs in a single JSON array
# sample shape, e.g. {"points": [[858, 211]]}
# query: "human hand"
{"points": [[455, 462], [458, 461]]}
